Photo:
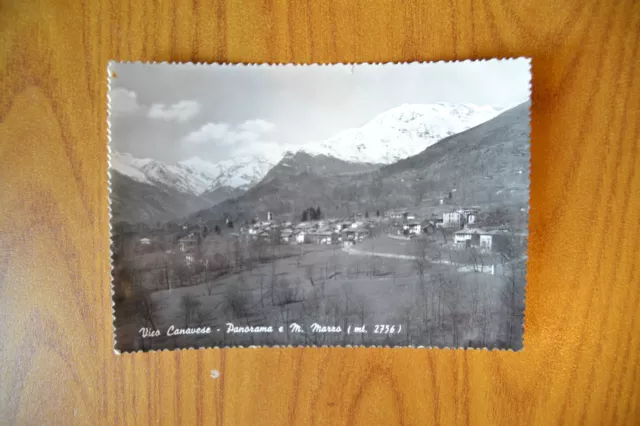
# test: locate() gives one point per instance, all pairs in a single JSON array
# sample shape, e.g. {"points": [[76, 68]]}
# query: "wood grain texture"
{"points": [[581, 362]]}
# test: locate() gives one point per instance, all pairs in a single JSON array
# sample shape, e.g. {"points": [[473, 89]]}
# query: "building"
{"points": [[354, 234], [460, 217], [322, 237], [452, 219], [187, 243], [485, 240], [413, 228], [343, 225], [299, 237], [286, 236]]}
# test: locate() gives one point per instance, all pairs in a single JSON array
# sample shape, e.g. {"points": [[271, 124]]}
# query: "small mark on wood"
{"points": [[215, 374]]}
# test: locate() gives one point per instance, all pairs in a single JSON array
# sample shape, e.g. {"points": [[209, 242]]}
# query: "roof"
{"points": [[473, 231], [355, 230], [323, 234]]}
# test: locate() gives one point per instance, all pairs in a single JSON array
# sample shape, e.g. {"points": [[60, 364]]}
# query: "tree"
{"points": [[377, 213], [419, 188], [238, 254], [366, 215], [318, 213], [217, 230], [514, 276], [190, 307], [230, 224], [375, 189], [305, 216], [147, 308]]}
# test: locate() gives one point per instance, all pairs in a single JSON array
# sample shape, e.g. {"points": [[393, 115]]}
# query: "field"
{"points": [[428, 303]]}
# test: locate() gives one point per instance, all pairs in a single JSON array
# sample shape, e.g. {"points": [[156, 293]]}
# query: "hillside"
{"points": [[134, 201], [293, 164], [487, 164]]}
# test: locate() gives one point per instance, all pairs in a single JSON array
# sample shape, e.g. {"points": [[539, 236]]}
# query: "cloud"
{"points": [[181, 112], [123, 102], [257, 126], [223, 134], [209, 132]]}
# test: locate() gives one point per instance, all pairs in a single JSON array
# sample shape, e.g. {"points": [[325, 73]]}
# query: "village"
{"points": [[457, 229], [373, 262]]}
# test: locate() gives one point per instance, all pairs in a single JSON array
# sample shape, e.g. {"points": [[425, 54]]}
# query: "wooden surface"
{"points": [[581, 362]]}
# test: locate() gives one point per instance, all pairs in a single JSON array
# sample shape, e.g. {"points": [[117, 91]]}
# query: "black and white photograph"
{"points": [[377, 205]]}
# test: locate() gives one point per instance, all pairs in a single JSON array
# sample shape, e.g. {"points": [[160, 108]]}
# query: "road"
{"points": [[393, 247]]}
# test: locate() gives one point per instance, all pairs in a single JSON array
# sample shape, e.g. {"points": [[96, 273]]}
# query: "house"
{"points": [[286, 236], [460, 217], [429, 226], [413, 228], [467, 237], [437, 222], [354, 234], [322, 237], [485, 240], [452, 219], [343, 225], [145, 241], [187, 243], [299, 237]]}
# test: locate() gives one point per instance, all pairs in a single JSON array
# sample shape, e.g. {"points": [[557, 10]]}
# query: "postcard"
{"points": [[376, 205]]}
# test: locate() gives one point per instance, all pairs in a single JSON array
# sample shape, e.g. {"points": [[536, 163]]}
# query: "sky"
{"points": [[172, 112]]}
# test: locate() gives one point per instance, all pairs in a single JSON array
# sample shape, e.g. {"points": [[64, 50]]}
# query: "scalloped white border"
{"points": [[304, 64]]}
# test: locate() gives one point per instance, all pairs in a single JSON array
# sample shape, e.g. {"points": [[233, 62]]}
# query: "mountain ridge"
{"points": [[482, 165], [391, 135]]}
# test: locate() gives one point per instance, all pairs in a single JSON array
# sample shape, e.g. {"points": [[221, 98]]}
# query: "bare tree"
{"points": [[147, 308], [452, 298], [236, 302], [420, 262], [190, 306], [238, 255], [286, 292], [474, 259], [183, 273], [420, 188], [512, 297]]}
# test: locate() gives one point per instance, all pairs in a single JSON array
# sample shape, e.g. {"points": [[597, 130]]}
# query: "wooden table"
{"points": [[581, 362]]}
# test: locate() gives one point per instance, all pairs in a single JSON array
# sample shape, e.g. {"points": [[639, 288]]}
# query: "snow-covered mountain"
{"points": [[391, 136], [195, 175], [402, 132]]}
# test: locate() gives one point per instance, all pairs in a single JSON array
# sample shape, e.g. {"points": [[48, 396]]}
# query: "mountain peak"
{"points": [[401, 132], [194, 175], [390, 136]]}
